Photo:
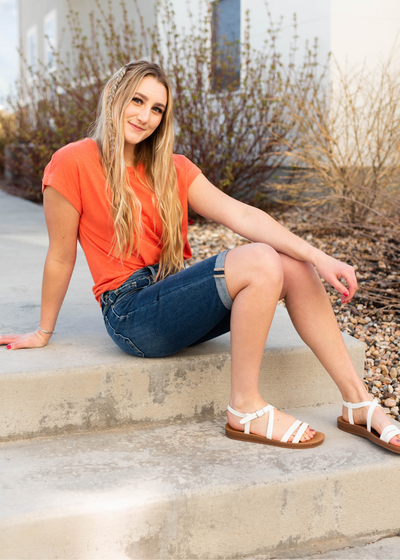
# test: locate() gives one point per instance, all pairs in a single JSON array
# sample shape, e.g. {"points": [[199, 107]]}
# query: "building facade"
{"points": [[354, 33], [43, 25]]}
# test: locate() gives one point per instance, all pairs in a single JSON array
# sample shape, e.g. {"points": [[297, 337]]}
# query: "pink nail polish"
{"points": [[8, 347], [346, 294]]}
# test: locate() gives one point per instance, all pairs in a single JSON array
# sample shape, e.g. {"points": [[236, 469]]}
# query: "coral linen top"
{"points": [[76, 172]]}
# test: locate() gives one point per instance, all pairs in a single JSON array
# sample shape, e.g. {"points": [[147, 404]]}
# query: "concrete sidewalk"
{"points": [[24, 243]]}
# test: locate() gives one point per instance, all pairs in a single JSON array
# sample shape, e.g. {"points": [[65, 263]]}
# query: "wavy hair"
{"points": [[156, 155]]}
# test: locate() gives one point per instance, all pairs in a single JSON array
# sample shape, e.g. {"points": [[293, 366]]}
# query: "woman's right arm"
{"points": [[62, 221]]}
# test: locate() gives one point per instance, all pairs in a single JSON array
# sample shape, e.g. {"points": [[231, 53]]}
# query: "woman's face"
{"points": [[144, 113]]}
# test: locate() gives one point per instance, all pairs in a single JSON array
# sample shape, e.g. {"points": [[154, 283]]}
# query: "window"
{"points": [[226, 44], [31, 47], [50, 39]]}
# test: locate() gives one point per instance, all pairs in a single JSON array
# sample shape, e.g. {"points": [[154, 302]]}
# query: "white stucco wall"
{"points": [[354, 31], [313, 20], [364, 31]]}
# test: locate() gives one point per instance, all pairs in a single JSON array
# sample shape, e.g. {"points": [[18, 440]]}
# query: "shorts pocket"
{"points": [[122, 306]]}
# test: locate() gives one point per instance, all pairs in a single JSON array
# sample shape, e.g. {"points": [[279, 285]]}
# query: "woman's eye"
{"points": [[158, 110], [137, 100]]}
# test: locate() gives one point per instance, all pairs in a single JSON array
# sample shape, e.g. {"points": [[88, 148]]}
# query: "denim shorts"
{"points": [[152, 319]]}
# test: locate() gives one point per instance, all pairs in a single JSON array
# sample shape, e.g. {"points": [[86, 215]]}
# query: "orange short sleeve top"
{"points": [[76, 172]]}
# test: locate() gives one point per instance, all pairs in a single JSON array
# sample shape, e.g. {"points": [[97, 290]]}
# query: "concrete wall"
{"points": [[354, 31], [364, 31], [313, 20], [32, 13]]}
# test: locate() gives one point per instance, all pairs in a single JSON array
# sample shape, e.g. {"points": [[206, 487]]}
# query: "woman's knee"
{"points": [[298, 272], [254, 263], [266, 262]]}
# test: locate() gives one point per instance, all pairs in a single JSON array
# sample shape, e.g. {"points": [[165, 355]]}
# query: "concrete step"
{"points": [[81, 381], [90, 384], [186, 491], [383, 549]]}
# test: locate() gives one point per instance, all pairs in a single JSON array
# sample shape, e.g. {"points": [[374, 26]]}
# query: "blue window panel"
{"points": [[226, 44]]}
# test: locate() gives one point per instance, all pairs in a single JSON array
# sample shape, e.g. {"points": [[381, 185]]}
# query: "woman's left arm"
{"points": [[258, 226]]}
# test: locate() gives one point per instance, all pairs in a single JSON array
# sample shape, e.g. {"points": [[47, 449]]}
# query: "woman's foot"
{"points": [[379, 418], [282, 421]]}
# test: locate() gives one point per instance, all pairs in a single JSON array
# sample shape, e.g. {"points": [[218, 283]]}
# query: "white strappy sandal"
{"points": [[246, 419], [367, 431]]}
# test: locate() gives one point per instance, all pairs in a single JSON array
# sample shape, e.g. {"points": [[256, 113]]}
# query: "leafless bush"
{"points": [[346, 157], [233, 134]]}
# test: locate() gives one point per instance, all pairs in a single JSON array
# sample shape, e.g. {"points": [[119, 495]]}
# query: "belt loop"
{"points": [[153, 272]]}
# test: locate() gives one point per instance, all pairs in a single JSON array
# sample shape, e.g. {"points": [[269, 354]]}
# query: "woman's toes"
{"points": [[395, 441], [308, 434]]}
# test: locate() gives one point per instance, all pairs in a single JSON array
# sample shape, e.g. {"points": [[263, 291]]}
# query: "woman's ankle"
{"points": [[247, 403], [356, 395]]}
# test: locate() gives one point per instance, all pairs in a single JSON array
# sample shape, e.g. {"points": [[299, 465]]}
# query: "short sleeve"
{"points": [[62, 173], [186, 171]]}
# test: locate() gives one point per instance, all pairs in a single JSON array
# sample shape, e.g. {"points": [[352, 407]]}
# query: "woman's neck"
{"points": [[128, 154]]}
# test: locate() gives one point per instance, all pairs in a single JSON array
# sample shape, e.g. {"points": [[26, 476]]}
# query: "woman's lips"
{"points": [[136, 127]]}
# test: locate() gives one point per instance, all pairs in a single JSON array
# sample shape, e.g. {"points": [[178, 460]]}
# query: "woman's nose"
{"points": [[144, 114]]}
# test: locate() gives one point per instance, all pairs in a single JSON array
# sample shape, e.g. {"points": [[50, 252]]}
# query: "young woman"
{"points": [[124, 195]]}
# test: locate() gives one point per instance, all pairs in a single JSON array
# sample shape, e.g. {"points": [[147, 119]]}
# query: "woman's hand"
{"points": [[36, 339], [331, 270]]}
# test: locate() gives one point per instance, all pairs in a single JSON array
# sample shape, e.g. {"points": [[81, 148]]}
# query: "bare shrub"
{"points": [[346, 157], [233, 134]]}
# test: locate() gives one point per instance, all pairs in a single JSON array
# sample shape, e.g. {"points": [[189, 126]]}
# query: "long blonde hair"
{"points": [[155, 153]]}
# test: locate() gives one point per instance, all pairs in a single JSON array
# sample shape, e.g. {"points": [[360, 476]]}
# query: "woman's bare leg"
{"points": [[257, 277], [254, 277], [311, 312]]}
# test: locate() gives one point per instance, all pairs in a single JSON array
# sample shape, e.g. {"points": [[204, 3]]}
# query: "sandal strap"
{"points": [[371, 404], [270, 425], [389, 432], [300, 432], [302, 427], [248, 417]]}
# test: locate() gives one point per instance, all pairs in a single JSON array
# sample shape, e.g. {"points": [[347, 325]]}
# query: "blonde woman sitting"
{"points": [[125, 196]]}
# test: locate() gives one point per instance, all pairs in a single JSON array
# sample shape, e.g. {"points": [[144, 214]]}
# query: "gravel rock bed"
{"points": [[376, 324]]}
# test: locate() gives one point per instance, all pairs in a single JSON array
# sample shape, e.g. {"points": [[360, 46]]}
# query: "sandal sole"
{"points": [[363, 432], [316, 441]]}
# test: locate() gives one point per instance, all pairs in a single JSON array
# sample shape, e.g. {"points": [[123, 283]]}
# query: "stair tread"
{"points": [[161, 462]]}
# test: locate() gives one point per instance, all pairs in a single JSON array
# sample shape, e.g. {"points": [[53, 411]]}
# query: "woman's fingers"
{"points": [[351, 281], [8, 338], [29, 340], [16, 345], [333, 270], [348, 290]]}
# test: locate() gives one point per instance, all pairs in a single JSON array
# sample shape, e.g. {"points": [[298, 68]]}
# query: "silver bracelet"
{"points": [[45, 332]]}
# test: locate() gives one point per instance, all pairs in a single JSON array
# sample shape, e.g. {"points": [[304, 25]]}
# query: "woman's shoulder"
{"points": [[79, 151], [181, 160], [186, 170], [183, 164]]}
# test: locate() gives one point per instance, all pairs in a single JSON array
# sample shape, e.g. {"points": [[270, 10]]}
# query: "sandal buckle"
{"points": [[260, 412]]}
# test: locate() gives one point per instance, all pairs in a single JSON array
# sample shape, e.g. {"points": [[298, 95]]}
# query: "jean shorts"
{"points": [[152, 319]]}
